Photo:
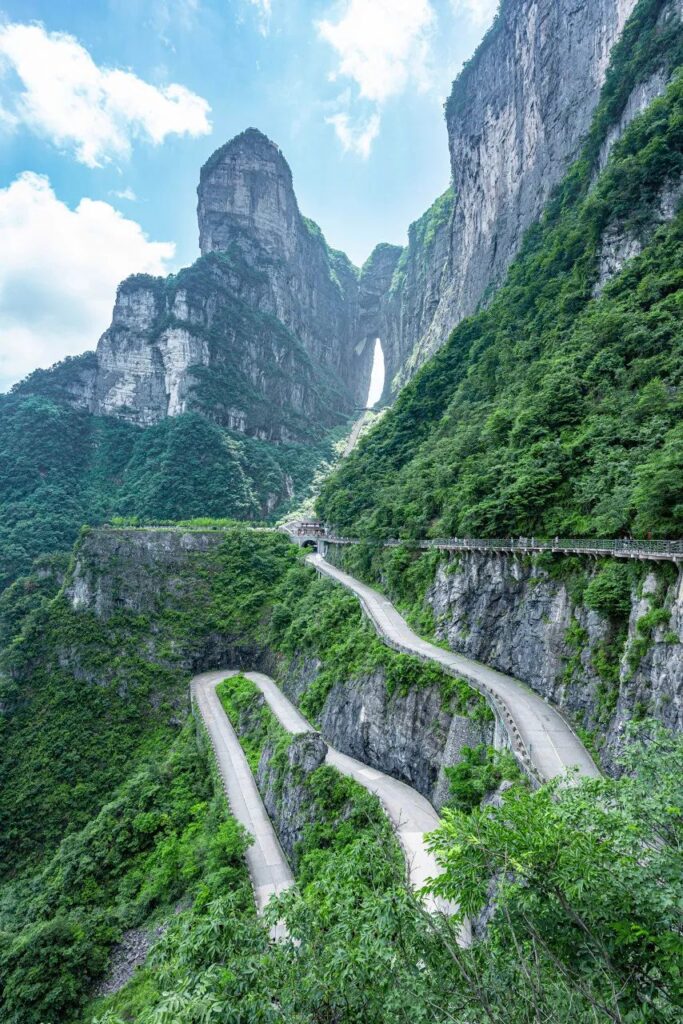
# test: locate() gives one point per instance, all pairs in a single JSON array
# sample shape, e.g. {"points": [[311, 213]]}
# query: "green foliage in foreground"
{"points": [[588, 925], [603, 854], [164, 837], [585, 925], [551, 411], [479, 773]]}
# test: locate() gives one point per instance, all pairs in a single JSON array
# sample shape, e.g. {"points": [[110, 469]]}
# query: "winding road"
{"points": [[539, 733], [411, 815], [269, 869]]}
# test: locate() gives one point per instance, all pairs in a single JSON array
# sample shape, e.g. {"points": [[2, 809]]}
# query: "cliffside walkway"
{"points": [[269, 869], [643, 550], [541, 738]]}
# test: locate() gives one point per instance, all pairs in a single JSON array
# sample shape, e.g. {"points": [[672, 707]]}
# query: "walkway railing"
{"points": [[665, 550]]}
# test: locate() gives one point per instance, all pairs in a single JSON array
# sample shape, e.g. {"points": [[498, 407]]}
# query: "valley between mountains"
{"points": [[318, 714]]}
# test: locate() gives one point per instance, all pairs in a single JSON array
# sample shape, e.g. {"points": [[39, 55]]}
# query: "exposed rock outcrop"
{"points": [[622, 242], [129, 952], [512, 614], [410, 736], [146, 572], [134, 570], [260, 335], [516, 120], [288, 800]]}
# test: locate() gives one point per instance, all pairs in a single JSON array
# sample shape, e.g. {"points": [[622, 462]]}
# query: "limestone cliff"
{"points": [[516, 119], [525, 618], [260, 335], [411, 736]]}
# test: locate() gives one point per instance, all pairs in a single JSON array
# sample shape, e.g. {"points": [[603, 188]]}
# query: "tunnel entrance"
{"points": [[377, 376]]}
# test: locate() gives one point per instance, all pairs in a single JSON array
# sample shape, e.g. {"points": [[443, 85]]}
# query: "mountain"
{"points": [[553, 405], [259, 335], [516, 119], [217, 391], [557, 408], [222, 389]]}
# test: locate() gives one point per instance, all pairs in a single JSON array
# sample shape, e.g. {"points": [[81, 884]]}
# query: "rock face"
{"points": [[246, 204], [620, 243], [261, 334], [410, 737], [133, 570], [516, 119], [512, 615], [145, 571], [271, 333], [414, 280], [287, 799]]}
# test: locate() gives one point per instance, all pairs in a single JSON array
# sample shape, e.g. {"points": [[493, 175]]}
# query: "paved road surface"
{"points": [[410, 813], [268, 868], [551, 744]]}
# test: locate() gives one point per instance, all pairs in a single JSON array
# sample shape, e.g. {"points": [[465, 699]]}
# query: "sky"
{"points": [[108, 109]]}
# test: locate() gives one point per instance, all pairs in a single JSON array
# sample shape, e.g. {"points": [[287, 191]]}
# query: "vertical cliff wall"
{"points": [[607, 660], [516, 120], [261, 334]]}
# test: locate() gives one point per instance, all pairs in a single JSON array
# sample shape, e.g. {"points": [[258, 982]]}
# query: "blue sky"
{"points": [[108, 108]]}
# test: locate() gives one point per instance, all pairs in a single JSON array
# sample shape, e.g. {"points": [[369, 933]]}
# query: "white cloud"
{"points": [[382, 45], [264, 9], [7, 120], [479, 12], [124, 193], [57, 291], [71, 101], [355, 138]]}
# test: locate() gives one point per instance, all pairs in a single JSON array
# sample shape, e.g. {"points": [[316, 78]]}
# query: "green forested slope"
{"points": [[554, 411], [93, 745], [61, 467], [87, 695]]}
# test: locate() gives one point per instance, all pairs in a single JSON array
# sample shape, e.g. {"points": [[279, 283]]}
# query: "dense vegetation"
{"points": [[553, 410], [164, 838], [88, 695], [147, 835], [585, 925], [61, 467]]}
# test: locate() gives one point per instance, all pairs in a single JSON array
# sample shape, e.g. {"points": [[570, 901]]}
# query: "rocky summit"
{"points": [[260, 334]]}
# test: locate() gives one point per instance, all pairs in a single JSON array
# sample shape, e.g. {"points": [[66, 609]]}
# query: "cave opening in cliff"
{"points": [[377, 376]]}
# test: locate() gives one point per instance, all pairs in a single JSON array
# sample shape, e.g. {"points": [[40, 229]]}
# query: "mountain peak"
{"points": [[246, 185]]}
